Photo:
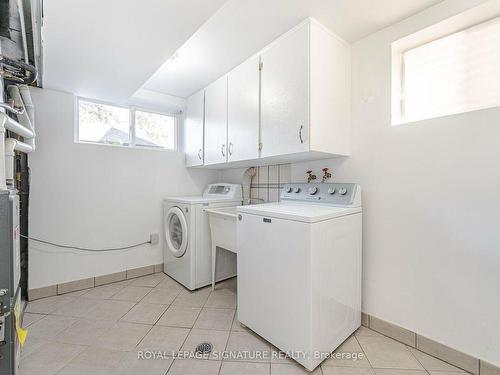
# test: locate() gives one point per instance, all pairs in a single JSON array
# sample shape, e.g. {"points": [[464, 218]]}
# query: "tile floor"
{"points": [[100, 331]]}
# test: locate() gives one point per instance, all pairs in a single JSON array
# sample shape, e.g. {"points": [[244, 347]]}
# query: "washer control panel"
{"points": [[330, 193]]}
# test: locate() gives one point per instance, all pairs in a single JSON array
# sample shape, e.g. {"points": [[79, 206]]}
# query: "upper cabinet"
{"points": [[243, 111], [216, 122], [285, 95], [193, 127], [290, 102]]}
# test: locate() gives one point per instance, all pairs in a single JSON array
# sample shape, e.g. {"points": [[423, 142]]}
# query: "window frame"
{"points": [[468, 19], [132, 137]]}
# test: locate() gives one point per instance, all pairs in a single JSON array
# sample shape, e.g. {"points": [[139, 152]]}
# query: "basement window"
{"points": [[108, 124], [456, 73]]}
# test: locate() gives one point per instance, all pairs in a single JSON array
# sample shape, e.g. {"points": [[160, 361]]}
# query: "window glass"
{"points": [[154, 130], [103, 123]]}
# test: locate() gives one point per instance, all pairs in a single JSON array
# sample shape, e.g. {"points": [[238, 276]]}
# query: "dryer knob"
{"points": [[296, 190], [342, 191], [288, 189], [312, 190], [331, 191]]}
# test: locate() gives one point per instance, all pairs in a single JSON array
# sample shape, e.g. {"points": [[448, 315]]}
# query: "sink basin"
{"points": [[223, 227]]}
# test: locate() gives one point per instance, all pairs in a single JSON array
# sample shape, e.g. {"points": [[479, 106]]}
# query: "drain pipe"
{"points": [[11, 146], [247, 183], [22, 99]]}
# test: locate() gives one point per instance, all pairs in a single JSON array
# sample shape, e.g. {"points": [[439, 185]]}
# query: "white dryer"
{"points": [[187, 240], [299, 261]]}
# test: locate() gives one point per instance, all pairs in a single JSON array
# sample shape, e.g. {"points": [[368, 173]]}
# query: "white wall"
{"points": [[431, 196], [96, 196]]}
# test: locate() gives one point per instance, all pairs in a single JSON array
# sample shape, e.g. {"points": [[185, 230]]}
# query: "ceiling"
{"points": [[116, 50], [108, 49], [241, 28]]}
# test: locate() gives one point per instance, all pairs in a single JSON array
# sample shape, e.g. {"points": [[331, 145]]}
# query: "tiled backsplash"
{"points": [[268, 181]]}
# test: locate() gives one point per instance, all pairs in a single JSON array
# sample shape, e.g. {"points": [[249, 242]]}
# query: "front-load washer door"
{"points": [[176, 231]]}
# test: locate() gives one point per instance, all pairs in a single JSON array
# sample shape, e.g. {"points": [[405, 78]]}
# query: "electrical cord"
{"points": [[83, 248]]}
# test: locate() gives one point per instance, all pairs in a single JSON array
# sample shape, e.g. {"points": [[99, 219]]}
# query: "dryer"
{"points": [[187, 239]]}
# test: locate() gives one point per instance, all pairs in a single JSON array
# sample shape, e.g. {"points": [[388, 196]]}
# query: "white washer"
{"points": [[299, 261], [187, 242]]}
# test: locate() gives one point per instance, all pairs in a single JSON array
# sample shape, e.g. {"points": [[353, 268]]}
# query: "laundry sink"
{"points": [[223, 227]]}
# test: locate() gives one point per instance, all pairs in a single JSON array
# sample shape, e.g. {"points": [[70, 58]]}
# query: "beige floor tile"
{"points": [[192, 299], [333, 370], [84, 332], [78, 293], [30, 318], [48, 305], [241, 343], [132, 364], [194, 367], [363, 331], [445, 372], [78, 308], [50, 358], [384, 352], [278, 356], [169, 283], [178, 316], [149, 281], [132, 293], [245, 368], [227, 286], [31, 345], [94, 361], [162, 296], [237, 326], [383, 371], [348, 354], [123, 336], [104, 291], [218, 300], [165, 339], [215, 319], [218, 339], [146, 313], [433, 364], [291, 369], [50, 327], [109, 310]]}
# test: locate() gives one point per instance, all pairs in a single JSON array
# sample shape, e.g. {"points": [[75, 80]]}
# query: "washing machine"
{"points": [[187, 238], [299, 261]]}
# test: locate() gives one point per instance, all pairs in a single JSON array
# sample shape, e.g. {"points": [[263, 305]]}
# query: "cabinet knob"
{"points": [[199, 154], [223, 150], [230, 148]]}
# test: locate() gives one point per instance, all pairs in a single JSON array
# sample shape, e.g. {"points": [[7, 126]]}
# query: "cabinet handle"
{"points": [[300, 134], [223, 150], [199, 154], [230, 148]]}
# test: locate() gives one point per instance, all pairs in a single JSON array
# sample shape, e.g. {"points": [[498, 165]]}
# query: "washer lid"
{"points": [[304, 212], [196, 199]]}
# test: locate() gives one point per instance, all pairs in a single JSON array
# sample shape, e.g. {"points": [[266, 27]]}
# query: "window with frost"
{"points": [[456, 73]]}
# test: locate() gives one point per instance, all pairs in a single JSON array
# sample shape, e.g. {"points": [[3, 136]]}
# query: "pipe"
{"points": [[247, 182], [22, 98], [3, 185], [15, 127], [20, 8], [11, 109], [12, 145], [12, 74]]}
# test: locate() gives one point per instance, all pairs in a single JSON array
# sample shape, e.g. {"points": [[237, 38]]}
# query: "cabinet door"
{"points": [[285, 95], [216, 122], [193, 125], [243, 111]]}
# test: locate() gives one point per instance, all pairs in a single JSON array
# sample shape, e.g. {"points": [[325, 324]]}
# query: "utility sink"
{"points": [[223, 229]]}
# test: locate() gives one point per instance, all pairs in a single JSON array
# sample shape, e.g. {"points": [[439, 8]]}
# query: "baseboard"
{"points": [[92, 282], [440, 351]]}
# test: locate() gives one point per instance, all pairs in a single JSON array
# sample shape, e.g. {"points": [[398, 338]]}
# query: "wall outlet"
{"points": [[154, 238]]}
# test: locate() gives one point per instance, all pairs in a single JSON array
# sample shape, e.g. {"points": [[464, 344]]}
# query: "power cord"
{"points": [[83, 248]]}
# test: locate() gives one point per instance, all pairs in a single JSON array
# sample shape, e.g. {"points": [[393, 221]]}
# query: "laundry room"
{"points": [[226, 187]]}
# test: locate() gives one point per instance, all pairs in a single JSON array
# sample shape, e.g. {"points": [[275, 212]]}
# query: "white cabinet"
{"points": [[297, 106], [193, 127], [285, 95], [305, 95], [216, 122], [243, 111]]}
